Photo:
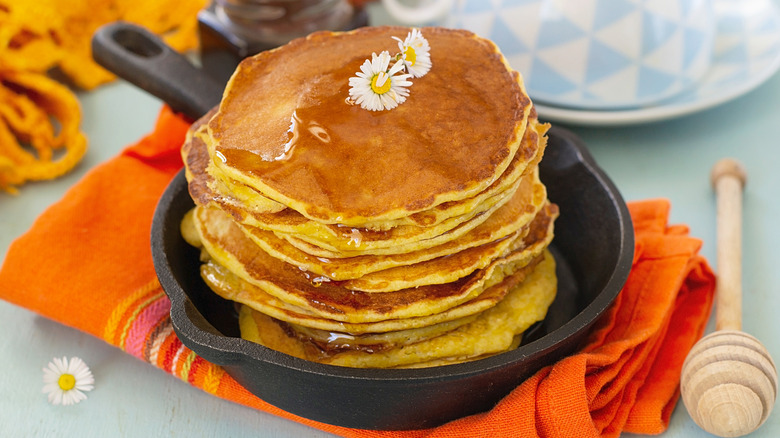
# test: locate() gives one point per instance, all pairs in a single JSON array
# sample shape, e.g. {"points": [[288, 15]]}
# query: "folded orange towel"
{"points": [[86, 263]]}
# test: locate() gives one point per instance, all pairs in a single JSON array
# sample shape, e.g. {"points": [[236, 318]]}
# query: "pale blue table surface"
{"points": [[133, 399]]}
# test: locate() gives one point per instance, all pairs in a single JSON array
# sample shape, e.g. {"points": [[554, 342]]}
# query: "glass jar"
{"points": [[231, 30]]}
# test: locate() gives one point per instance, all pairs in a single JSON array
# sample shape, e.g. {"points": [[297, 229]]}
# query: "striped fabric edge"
{"points": [[141, 326]]}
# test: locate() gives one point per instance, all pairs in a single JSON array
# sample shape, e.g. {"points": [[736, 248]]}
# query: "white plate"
{"points": [[746, 54]]}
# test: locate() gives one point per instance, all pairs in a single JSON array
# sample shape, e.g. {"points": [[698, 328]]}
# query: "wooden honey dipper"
{"points": [[729, 381]]}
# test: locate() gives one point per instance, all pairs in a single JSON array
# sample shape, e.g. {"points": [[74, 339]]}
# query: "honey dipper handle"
{"points": [[728, 178]]}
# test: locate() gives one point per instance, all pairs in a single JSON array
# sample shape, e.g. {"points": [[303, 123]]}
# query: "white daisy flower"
{"points": [[415, 53], [65, 382], [375, 87]]}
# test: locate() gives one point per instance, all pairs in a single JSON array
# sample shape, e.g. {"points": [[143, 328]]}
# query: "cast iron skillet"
{"points": [[593, 247]]}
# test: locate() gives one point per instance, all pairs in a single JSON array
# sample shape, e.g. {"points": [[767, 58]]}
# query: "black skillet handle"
{"points": [[143, 59]]}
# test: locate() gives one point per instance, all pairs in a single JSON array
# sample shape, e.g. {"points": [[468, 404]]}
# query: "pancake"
{"points": [[505, 222], [306, 234], [229, 247], [296, 226], [288, 133], [223, 281], [260, 209], [253, 209], [239, 197], [526, 201], [340, 341], [493, 331], [405, 238], [408, 237], [521, 249]]}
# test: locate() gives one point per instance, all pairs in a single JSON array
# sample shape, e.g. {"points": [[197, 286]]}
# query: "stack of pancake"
{"points": [[409, 237]]}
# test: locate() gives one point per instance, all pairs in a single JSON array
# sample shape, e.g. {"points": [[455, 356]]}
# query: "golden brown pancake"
{"points": [[525, 201], [284, 128], [227, 284], [502, 224], [253, 209], [292, 222], [450, 268], [493, 331], [340, 341], [333, 241], [229, 247], [408, 237]]}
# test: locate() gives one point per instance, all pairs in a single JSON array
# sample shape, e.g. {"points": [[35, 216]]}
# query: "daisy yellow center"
{"points": [[380, 84], [66, 382], [411, 55]]}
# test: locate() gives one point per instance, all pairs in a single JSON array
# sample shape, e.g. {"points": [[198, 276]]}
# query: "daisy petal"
{"points": [[66, 381], [369, 87]]}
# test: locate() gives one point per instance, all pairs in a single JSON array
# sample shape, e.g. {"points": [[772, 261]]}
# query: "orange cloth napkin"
{"points": [[86, 263]]}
